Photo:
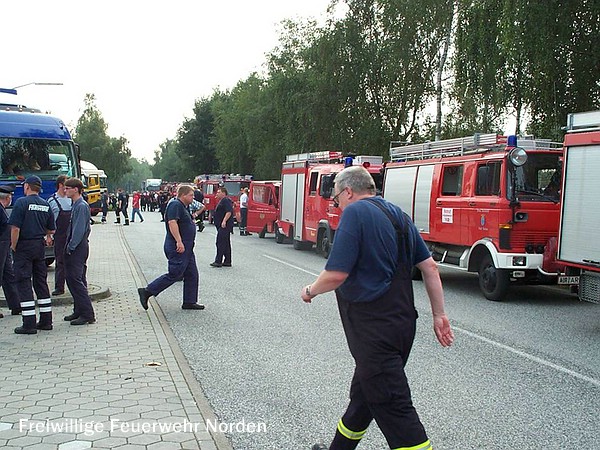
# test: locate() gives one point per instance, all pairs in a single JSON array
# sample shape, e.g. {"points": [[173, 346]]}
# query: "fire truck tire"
{"points": [[493, 282], [279, 237], [323, 244], [302, 245], [262, 232]]}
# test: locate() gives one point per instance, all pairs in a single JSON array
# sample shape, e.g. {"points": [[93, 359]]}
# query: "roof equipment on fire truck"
{"points": [[326, 157], [478, 143]]}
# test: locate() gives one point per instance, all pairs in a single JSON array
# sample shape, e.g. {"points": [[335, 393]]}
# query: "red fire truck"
{"points": [[483, 205], [307, 214], [263, 207], [578, 244], [209, 184]]}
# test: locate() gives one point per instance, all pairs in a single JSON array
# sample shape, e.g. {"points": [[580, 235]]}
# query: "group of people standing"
{"points": [[63, 221]]}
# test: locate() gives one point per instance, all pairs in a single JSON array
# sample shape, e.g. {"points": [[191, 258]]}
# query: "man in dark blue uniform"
{"points": [[223, 218], [32, 221], [7, 275], [122, 205], [179, 250], [77, 250], [375, 248]]}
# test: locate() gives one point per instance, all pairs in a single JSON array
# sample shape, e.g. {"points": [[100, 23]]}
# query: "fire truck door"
{"points": [[450, 205], [311, 208]]}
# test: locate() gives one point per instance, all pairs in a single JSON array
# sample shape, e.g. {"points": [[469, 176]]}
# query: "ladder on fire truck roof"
{"points": [[583, 121], [478, 143], [332, 157]]}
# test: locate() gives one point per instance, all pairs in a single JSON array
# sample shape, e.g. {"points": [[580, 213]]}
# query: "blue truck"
{"points": [[34, 143]]}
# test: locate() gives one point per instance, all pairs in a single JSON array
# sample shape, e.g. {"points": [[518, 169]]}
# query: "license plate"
{"points": [[568, 280]]}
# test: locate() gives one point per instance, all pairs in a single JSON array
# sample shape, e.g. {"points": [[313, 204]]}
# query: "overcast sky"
{"points": [[145, 61]]}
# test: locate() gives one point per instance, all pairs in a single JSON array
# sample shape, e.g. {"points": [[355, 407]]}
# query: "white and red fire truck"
{"points": [[307, 215], [263, 207], [209, 183], [483, 205], [578, 244]]}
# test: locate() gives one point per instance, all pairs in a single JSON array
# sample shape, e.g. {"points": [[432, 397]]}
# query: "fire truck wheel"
{"points": [[279, 238], [493, 282], [325, 246], [262, 232]]}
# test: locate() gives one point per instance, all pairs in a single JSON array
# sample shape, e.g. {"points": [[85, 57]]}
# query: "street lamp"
{"points": [[34, 83]]}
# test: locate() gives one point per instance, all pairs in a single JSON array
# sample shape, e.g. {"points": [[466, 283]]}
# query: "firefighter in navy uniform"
{"points": [[7, 275], [32, 229], [373, 287]]}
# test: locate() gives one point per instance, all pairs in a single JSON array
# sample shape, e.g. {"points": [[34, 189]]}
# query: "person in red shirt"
{"points": [[135, 203]]}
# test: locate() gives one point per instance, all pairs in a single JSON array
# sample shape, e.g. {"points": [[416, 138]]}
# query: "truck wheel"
{"points": [[279, 237], [325, 246], [302, 245], [493, 282], [263, 232]]}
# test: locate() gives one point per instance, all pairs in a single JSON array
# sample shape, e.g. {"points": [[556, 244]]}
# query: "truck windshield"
{"points": [[539, 179], [45, 158]]}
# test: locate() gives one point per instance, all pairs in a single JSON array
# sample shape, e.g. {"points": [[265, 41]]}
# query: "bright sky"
{"points": [[145, 61]]}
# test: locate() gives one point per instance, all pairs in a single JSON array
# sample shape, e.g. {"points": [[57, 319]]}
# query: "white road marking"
{"points": [[291, 265]]}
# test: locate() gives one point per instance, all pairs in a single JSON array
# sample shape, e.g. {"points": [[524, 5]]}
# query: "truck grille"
{"points": [[519, 239], [589, 287]]}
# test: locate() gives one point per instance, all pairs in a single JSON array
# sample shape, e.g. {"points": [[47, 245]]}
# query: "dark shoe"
{"points": [[144, 296], [82, 321], [21, 330], [142, 220], [70, 317], [126, 224], [46, 327], [1, 316], [216, 264], [192, 306], [226, 264], [319, 447], [57, 292], [15, 312]]}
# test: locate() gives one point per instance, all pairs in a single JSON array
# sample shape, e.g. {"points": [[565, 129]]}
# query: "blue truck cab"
{"points": [[33, 143]]}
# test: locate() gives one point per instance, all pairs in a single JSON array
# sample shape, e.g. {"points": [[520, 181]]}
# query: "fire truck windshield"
{"points": [[234, 187], [539, 179]]}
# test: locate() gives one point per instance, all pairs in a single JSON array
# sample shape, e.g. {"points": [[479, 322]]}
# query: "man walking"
{"points": [[376, 246], [223, 219], [7, 274], [122, 205], [104, 200], [77, 251], [179, 250], [32, 221], [135, 206], [61, 208]]}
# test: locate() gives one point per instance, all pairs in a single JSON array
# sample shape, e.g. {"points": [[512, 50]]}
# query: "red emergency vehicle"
{"points": [[578, 245], [307, 215], [209, 184], [263, 207], [483, 205]]}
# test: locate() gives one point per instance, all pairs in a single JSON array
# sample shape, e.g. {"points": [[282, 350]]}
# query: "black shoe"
{"points": [[46, 327], [15, 312], [319, 447], [82, 321], [58, 292], [1, 316], [126, 224], [226, 264], [216, 264], [192, 306], [21, 330], [144, 296], [70, 317]]}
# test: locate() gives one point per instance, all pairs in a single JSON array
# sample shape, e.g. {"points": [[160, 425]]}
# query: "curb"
{"points": [[96, 293]]}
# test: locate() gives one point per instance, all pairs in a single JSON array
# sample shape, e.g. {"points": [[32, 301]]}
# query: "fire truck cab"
{"points": [[483, 204], [307, 215], [578, 245], [263, 207], [209, 184]]}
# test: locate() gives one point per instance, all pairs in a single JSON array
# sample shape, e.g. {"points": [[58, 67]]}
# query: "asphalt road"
{"points": [[522, 374]]}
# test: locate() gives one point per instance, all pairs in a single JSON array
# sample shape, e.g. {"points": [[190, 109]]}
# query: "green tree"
{"points": [[107, 153], [140, 171]]}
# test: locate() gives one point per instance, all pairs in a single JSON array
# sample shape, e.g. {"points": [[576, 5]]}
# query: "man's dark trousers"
{"points": [[76, 268], [7, 275], [223, 245], [30, 263], [60, 242], [182, 266]]}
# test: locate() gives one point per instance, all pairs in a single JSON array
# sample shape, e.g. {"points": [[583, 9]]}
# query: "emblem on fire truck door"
{"points": [[483, 220]]}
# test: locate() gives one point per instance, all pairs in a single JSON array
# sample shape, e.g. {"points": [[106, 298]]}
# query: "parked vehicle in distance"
{"points": [[263, 207]]}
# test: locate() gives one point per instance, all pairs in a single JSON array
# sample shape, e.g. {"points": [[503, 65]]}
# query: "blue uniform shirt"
{"points": [[187, 228], [224, 206], [39, 217], [365, 248]]}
